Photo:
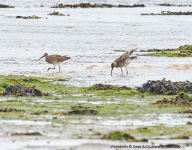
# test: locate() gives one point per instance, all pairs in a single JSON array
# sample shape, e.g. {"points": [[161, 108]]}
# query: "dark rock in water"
{"points": [[165, 87], [20, 90], [83, 112], [187, 88]]}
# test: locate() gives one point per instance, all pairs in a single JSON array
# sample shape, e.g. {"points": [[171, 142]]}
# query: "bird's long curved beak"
{"points": [[41, 57], [111, 70]]}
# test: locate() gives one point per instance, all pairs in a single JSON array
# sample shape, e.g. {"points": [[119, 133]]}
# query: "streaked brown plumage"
{"points": [[54, 59], [123, 61]]}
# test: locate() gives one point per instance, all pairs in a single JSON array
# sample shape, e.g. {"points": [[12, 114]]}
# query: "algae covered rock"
{"points": [[165, 87], [21, 90]]}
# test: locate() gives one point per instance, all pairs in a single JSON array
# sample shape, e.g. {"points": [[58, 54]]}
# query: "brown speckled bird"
{"points": [[54, 59], [123, 61]]}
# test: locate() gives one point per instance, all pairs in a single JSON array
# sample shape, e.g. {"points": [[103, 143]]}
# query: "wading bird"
{"points": [[54, 59], [123, 61]]}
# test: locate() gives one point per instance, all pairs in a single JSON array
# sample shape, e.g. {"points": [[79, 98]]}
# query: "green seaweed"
{"points": [[120, 50], [184, 51]]}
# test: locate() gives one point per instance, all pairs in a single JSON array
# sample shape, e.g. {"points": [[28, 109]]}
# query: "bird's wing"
{"points": [[127, 54], [60, 58]]}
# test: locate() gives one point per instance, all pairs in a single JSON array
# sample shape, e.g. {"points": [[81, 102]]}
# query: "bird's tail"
{"points": [[133, 50]]}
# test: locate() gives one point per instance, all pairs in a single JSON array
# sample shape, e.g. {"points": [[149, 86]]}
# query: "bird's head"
{"points": [[44, 55]]}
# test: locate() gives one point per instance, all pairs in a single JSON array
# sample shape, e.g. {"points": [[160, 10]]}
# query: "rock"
{"points": [[20, 90], [165, 87]]}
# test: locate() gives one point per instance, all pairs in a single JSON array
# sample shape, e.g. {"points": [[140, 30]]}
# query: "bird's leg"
{"points": [[50, 68], [121, 70], [59, 67], [126, 69]]}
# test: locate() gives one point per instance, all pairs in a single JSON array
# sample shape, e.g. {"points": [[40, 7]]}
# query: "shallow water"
{"points": [[94, 36], [146, 120]]}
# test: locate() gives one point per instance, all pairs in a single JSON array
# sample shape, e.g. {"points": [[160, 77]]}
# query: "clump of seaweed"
{"points": [[57, 14], [181, 137], [118, 135], [32, 133], [165, 87], [28, 17], [108, 87], [180, 99], [78, 110], [21, 90], [11, 110], [182, 51], [40, 112], [176, 5], [83, 112], [88, 5], [6, 6], [185, 111], [169, 13], [188, 123]]}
